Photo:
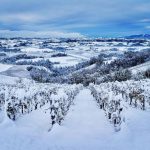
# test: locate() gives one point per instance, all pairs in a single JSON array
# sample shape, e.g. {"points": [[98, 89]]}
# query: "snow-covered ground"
{"points": [[84, 128], [17, 71], [141, 67], [4, 67], [6, 74], [7, 79], [65, 61], [35, 50]]}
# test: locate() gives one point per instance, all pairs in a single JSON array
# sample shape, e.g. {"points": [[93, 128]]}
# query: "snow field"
{"points": [[4, 67]]}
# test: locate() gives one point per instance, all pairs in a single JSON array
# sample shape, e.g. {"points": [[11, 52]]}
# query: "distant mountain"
{"points": [[139, 36]]}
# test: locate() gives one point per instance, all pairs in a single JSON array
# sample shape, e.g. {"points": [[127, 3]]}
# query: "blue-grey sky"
{"points": [[74, 17]]}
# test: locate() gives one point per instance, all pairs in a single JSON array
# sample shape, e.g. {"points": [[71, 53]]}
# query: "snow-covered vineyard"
{"points": [[66, 94], [61, 113], [23, 98], [115, 98]]}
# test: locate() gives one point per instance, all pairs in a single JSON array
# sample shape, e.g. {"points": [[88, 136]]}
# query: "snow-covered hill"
{"points": [[140, 68]]}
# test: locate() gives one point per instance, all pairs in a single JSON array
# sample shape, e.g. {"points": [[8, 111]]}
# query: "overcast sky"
{"points": [[76, 17]]}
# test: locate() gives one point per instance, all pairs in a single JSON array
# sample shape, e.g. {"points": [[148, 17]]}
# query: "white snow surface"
{"points": [[4, 67], [36, 49], [8, 80], [141, 67], [84, 128]]}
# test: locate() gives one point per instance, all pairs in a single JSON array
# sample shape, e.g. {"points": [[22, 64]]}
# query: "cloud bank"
{"points": [[39, 34]]}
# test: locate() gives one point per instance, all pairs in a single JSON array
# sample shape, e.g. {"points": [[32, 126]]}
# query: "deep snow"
{"points": [[84, 128]]}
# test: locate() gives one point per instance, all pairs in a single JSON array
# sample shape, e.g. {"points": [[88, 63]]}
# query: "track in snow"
{"points": [[84, 116], [84, 124]]}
